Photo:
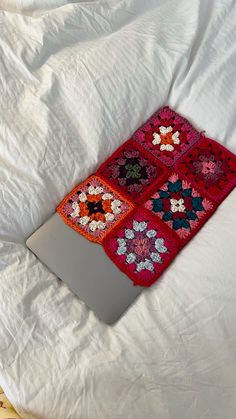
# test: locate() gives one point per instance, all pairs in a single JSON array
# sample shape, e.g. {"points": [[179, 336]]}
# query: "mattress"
{"points": [[76, 80]]}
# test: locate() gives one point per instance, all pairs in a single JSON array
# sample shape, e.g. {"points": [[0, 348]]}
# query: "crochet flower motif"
{"points": [[95, 208], [180, 205], [211, 167], [166, 135], [177, 205], [131, 170], [141, 246], [166, 138], [92, 208], [208, 168]]}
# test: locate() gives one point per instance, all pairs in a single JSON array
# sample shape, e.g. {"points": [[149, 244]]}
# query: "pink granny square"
{"points": [[141, 246], [166, 135]]}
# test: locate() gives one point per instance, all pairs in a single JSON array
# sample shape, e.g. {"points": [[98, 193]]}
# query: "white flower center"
{"points": [[177, 205], [165, 138]]}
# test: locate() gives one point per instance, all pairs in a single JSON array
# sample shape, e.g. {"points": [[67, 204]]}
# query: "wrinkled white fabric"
{"points": [[76, 80]]}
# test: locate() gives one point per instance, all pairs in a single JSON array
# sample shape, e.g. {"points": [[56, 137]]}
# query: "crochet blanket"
{"points": [[152, 195]]}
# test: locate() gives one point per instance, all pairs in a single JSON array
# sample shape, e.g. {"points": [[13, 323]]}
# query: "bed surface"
{"points": [[76, 80]]}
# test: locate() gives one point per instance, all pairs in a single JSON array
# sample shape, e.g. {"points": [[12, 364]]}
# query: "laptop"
{"points": [[85, 268]]}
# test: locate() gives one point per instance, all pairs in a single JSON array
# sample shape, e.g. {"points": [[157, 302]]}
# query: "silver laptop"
{"points": [[85, 268]]}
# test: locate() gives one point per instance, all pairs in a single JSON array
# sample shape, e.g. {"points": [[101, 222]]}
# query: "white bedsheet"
{"points": [[75, 82]]}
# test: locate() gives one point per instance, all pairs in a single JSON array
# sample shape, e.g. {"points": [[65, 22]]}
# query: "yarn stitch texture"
{"points": [[132, 171], [152, 195], [167, 135], [211, 167], [182, 207], [92, 208], [141, 246]]}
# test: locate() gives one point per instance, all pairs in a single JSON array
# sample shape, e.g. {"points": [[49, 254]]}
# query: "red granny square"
{"points": [[132, 170], [182, 207], [166, 135], [92, 208], [141, 246], [211, 167]]}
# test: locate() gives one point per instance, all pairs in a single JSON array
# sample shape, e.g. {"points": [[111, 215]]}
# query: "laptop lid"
{"points": [[85, 268]]}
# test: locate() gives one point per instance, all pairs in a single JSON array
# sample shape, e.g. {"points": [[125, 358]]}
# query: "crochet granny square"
{"points": [[141, 246], [152, 195], [211, 167], [182, 207], [92, 208], [166, 135], [132, 171]]}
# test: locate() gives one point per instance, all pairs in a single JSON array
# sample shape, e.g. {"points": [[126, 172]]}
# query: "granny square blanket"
{"points": [[152, 195]]}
